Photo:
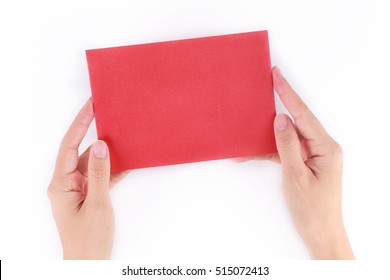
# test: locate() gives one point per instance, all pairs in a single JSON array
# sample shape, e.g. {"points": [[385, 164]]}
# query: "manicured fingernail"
{"points": [[281, 122], [99, 149]]}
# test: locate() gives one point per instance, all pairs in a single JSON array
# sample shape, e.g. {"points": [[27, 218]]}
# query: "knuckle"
{"points": [[50, 191], [98, 172], [304, 112], [305, 109], [338, 154], [336, 149], [289, 143], [68, 146]]}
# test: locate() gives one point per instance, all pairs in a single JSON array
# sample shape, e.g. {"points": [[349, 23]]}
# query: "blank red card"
{"points": [[185, 100]]}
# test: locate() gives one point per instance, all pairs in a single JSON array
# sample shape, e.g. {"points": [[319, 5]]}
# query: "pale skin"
{"points": [[312, 165], [312, 183], [79, 193]]}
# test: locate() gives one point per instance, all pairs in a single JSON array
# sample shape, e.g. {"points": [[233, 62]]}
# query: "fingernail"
{"points": [[100, 149], [279, 73], [281, 122], [89, 100], [278, 70]]}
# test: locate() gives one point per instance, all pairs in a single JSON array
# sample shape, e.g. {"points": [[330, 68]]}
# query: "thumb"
{"points": [[98, 173], [287, 143]]}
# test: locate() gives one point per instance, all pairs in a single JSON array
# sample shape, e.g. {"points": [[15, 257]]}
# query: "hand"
{"points": [[79, 193], [312, 176]]}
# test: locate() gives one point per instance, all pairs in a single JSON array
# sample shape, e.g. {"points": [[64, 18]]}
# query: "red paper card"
{"points": [[184, 101]]}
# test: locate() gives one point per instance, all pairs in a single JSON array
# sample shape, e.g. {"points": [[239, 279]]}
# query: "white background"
{"points": [[335, 54]]}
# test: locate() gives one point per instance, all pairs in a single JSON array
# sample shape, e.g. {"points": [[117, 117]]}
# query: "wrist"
{"points": [[79, 255], [329, 243]]}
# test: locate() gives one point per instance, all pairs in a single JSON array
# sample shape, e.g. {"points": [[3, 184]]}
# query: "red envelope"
{"points": [[184, 101]]}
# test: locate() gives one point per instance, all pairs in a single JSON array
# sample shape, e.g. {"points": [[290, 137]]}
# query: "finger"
{"points": [[272, 157], [287, 143], [82, 166], [242, 159], [308, 125], [67, 158], [98, 173]]}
